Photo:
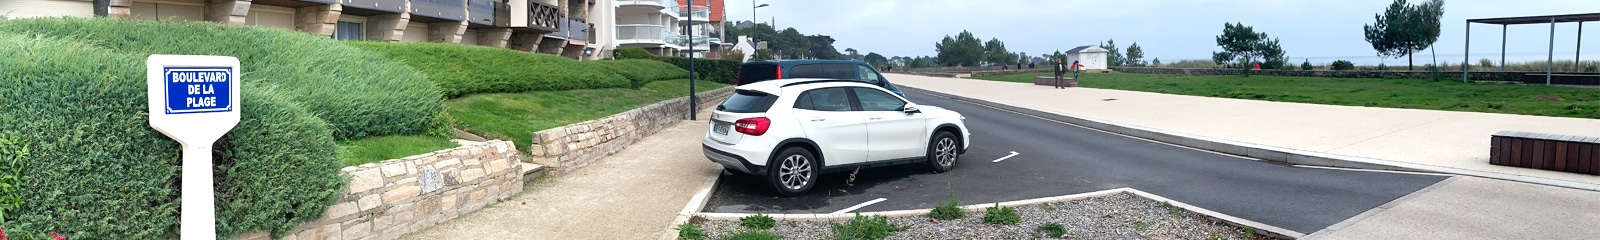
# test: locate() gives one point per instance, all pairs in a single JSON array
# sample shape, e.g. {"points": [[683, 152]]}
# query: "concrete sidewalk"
{"points": [[1458, 140], [633, 194], [1478, 208]]}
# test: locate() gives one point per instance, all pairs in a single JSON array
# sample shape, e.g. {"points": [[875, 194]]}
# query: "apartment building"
{"points": [[579, 29]]}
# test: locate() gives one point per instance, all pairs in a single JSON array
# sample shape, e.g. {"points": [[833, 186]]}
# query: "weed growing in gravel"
{"points": [[688, 231], [1174, 210], [758, 221], [863, 227], [1049, 208], [1140, 225], [949, 210], [1052, 230], [752, 235], [1249, 232], [1001, 215]]}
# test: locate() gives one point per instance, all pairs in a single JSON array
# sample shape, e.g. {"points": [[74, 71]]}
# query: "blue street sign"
{"points": [[198, 89]]}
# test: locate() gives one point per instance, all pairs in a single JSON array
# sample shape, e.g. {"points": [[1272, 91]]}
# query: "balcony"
{"points": [[572, 29], [528, 15], [373, 7], [482, 12], [440, 10], [646, 34], [649, 3], [699, 13]]}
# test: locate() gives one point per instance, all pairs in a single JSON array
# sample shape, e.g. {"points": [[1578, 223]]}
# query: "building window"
{"points": [[349, 31]]}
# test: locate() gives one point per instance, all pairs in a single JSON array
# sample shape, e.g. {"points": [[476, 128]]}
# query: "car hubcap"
{"points": [[795, 172], [945, 151]]}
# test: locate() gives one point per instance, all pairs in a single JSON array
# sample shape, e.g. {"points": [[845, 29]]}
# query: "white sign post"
{"points": [[194, 100]]}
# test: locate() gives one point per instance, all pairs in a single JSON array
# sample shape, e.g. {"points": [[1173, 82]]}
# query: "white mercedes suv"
{"points": [[791, 131]]}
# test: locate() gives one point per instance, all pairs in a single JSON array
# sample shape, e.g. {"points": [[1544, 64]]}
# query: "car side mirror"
{"points": [[909, 109]]}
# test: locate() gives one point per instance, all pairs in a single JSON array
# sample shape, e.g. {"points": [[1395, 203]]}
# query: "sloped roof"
{"points": [[1087, 49]]}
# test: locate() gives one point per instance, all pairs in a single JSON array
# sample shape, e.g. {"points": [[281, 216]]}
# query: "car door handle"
{"points": [[874, 118], [817, 119]]}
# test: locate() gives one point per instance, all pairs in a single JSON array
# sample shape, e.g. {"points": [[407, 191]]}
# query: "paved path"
{"points": [[1478, 208], [633, 194], [1058, 159], [1438, 138]]}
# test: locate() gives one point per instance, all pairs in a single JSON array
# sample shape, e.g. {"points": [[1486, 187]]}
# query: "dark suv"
{"points": [[757, 71]]}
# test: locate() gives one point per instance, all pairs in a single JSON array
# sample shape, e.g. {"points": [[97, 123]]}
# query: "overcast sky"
{"points": [[1166, 29]]}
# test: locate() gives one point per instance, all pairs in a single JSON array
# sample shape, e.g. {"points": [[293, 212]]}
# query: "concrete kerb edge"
{"points": [[695, 204], [1258, 151], [1370, 212], [1231, 220]]}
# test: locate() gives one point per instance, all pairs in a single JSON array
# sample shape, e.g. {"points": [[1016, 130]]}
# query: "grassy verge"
{"points": [[1388, 93], [375, 149], [515, 116]]}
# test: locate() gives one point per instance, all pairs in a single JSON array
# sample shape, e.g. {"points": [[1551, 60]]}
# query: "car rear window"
{"points": [[826, 70], [751, 73], [747, 101]]}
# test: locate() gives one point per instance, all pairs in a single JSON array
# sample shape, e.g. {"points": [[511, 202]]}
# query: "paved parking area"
{"points": [[1057, 159]]}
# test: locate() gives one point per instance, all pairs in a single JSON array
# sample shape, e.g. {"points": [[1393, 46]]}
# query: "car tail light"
{"points": [[780, 72], [753, 126]]}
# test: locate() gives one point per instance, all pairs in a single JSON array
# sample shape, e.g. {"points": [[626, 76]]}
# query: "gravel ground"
{"points": [[1119, 216]]}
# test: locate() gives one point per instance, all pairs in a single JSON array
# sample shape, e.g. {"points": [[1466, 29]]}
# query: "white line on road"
{"points": [[858, 206], [1013, 154]]}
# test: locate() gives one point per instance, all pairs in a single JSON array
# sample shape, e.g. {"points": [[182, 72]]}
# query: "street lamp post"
{"points": [[689, 30], [753, 10]]}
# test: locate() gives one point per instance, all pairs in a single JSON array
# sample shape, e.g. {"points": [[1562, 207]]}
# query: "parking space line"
{"points": [[1013, 154], [858, 206]]}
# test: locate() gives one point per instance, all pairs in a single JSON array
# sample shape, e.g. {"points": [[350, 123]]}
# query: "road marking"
{"points": [[1013, 154], [858, 206]]}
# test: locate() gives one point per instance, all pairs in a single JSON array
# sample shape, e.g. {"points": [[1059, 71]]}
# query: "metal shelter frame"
{"points": [[1551, 19]]}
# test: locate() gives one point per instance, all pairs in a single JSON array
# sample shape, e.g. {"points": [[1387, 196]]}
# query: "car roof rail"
{"points": [[823, 81]]}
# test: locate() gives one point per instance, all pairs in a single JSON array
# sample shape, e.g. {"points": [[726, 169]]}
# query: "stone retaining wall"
{"points": [[389, 199], [567, 148], [1475, 76]]}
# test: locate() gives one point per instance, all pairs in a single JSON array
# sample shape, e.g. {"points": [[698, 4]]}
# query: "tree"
{"points": [[918, 62], [1135, 55], [1243, 45], [791, 44], [1402, 30], [1113, 55], [822, 47], [1021, 58], [875, 59], [762, 54], [995, 52], [854, 55], [1155, 62], [1306, 66], [962, 50]]}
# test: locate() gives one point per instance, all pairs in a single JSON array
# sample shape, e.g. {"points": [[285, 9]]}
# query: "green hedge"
{"points": [[640, 71], [633, 53], [466, 69], [717, 70], [96, 170], [359, 94]]}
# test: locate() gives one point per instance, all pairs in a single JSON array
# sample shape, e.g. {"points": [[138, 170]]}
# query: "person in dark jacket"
{"points": [[1059, 69], [1030, 65]]}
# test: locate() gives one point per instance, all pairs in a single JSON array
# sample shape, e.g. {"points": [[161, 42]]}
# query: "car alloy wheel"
{"points": [[795, 172], [945, 152]]}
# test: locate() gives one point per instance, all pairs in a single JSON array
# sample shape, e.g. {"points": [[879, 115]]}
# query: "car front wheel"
{"points": [[942, 151], [794, 172]]}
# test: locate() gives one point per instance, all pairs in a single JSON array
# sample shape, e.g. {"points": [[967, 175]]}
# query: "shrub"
{"points": [[752, 235], [733, 55], [1001, 215], [465, 69], [1485, 63], [689, 231], [1053, 230], [357, 93], [640, 71], [1342, 65], [1381, 67], [949, 210], [758, 221], [633, 53], [95, 168], [720, 71], [863, 227], [1306, 65]]}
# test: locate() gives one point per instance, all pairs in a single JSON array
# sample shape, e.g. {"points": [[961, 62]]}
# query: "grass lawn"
{"points": [[374, 149], [515, 116], [1389, 93]]}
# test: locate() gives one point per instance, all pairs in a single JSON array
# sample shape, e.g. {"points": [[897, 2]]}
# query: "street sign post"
{"points": [[194, 100]]}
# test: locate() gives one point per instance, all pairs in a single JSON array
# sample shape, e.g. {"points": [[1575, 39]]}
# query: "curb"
{"points": [[1264, 229], [1251, 150], [695, 204]]}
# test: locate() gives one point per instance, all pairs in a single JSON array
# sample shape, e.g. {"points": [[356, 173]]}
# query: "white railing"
{"points": [[700, 13], [644, 33]]}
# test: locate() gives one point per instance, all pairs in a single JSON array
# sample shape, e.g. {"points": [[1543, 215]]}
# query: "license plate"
{"points": [[720, 128]]}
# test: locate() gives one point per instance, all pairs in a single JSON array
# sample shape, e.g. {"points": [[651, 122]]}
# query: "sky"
{"points": [[1319, 31]]}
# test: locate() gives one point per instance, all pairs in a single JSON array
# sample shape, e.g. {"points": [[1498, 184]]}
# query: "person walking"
{"points": [[1076, 67], [1030, 65], [1059, 69]]}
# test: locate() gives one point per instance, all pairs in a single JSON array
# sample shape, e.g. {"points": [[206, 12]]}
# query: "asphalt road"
{"points": [[1059, 159]]}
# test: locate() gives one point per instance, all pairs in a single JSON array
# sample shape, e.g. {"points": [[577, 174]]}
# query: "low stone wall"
{"points": [[389, 199], [1475, 76], [567, 148]]}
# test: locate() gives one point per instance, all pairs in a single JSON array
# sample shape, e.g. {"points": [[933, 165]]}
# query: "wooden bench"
{"points": [[1566, 153], [1051, 81]]}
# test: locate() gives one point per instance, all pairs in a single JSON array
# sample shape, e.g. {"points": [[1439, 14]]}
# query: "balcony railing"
{"points": [[700, 13], [572, 29], [453, 10], [482, 12], [541, 16], [643, 33], [392, 6]]}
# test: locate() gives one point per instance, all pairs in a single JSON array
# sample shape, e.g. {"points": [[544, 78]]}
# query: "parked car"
{"points": [[758, 71], [793, 130]]}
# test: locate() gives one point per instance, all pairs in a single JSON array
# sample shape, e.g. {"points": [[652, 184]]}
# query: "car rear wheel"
{"points": [[943, 151], [793, 172]]}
